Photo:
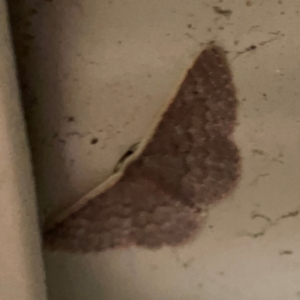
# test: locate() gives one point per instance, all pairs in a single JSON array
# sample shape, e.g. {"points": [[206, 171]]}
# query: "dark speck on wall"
{"points": [[70, 119], [223, 12], [94, 141], [286, 252], [252, 47]]}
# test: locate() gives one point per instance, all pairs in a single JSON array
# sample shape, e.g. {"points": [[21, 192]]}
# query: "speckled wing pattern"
{"points": [[189, 163]]}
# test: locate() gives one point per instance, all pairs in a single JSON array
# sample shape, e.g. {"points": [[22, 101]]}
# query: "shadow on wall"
{"points": [[62, 277], [44, 71]]}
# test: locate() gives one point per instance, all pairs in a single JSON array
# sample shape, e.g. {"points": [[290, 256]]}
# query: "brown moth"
{"points": [[156, 196]]}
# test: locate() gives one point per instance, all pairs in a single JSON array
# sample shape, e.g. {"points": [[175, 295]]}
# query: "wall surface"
{"points": [[21, 271], [104, 69]]}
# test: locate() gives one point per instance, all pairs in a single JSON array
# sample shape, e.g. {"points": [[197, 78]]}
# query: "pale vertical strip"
{"points": [[21, 267]]}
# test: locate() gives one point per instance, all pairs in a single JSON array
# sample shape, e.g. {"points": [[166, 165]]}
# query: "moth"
{"points": [[188, 162]]}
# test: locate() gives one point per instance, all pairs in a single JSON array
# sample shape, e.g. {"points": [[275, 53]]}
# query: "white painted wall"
{"points": [[21, 267], [112, 65]]}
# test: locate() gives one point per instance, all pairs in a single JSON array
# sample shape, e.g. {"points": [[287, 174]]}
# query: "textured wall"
{"points": [[104, 69], [21, 272]]}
